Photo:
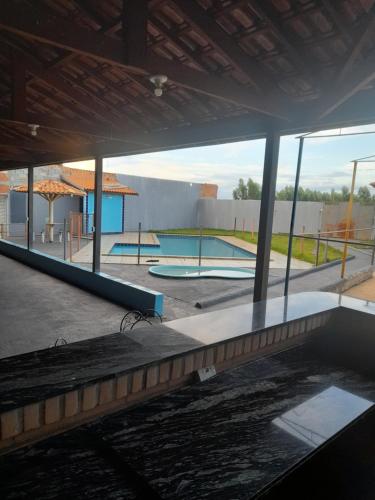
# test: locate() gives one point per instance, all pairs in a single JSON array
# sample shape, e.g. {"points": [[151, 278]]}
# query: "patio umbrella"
{"points": [[51, 190]]}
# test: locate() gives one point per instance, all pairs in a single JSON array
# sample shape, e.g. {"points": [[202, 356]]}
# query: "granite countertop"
{"points": [[24, 378], [42, 374], [213, 440]]}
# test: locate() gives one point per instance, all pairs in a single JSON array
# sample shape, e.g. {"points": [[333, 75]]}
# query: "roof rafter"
{"points": [[362, 75], [75, 127], [52, 77], [45, 146], [366, 31], [63, 34], [264, 11], [134, 24], [18, 87], [222, 42]]}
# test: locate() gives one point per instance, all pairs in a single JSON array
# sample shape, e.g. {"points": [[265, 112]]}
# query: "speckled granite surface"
{"points": [[211, 440], [43, 374], [34, 376]]}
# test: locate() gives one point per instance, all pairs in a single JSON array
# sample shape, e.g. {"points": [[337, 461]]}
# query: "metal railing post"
{"points": [[200, 247], [348, 220], [64, 239], [317, 250], [139, 243], [326, 252]]}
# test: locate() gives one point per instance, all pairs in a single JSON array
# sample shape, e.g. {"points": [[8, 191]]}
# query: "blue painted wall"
{"points": [[112, 215]]}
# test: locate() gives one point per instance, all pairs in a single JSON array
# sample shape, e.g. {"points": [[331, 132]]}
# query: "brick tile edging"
{"points": [[59, 413]]}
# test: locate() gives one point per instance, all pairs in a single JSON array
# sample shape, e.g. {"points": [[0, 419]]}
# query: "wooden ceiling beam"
{"points": [[62, 148], [264, 11], [356, 111], [16, 155], [134, 24], [222, 42], [53, 78], [361, 75], [365, 32], [74, 127], [58, 32], [336, 18], [173, 38], [18, 87]]}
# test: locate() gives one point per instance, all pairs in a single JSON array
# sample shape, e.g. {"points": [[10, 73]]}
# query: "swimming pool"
{"points": [[185, 246], [193, 272]]}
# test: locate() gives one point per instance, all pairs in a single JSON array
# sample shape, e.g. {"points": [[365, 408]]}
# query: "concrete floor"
{"points": [[36, 309]]}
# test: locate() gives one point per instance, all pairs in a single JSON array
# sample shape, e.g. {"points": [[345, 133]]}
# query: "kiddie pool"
{"points": [[192, 272]]}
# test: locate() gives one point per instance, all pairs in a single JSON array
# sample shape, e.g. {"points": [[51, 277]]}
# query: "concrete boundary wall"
{"points": [[161, 204], [220, 214]]}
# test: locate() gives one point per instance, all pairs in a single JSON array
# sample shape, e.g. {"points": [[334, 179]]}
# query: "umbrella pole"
{"points": [[50, 219]]}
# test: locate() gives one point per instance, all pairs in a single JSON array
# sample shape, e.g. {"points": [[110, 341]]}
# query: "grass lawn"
{"points": [[279, 243]]}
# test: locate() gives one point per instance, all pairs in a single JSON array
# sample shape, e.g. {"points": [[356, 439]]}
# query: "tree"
{"points": [[345, 193], [249, 191], [253, 190], [240, 193], [364, 195], [286, 194]]}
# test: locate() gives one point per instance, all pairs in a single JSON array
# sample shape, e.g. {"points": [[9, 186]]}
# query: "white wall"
{"points": [[161, 204], [221, 214]]}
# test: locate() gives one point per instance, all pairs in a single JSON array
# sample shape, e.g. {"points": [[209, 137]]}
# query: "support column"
{"points": [[293, 216], [267, 204], [97, 232], [30, 207]]}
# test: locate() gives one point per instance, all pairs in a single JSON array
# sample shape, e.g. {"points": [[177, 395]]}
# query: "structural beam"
{"points": [[97, 213], [62, 148], [30, 207], [361, 76], [18, 88], [55, 78], [293, 216], [266, 11], [271, 157], [223, 42], [364, 35], [41, 26], [78, 127], [134, 24]]}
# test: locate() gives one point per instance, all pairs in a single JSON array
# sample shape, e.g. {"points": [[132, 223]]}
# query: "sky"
{"points": [[326, 162]]}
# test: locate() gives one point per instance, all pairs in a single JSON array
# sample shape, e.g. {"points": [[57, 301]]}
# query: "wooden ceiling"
{"points": [[80, 70]]}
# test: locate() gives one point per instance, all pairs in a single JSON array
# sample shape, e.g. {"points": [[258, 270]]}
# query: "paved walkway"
{"points": [[278, 260], [365, 290]]}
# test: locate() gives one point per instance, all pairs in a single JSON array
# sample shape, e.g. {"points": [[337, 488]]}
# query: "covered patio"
{"points": [[95, 80], [234, 72]]}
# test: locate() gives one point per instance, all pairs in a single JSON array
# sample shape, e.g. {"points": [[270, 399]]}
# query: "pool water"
{"points": [[185, 246]]}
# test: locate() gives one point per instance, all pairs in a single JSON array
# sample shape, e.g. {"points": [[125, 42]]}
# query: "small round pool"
{"points": [[193, 272]]}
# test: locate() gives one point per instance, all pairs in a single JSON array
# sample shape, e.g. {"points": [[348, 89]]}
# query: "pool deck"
{"points": [[108, 240]]}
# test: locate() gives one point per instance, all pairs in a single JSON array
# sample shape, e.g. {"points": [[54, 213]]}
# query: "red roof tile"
{"points": [[85, 179]]}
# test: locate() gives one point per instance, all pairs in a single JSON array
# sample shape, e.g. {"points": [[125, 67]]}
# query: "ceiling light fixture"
{"points": [[159, 81], [33, 129]]}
